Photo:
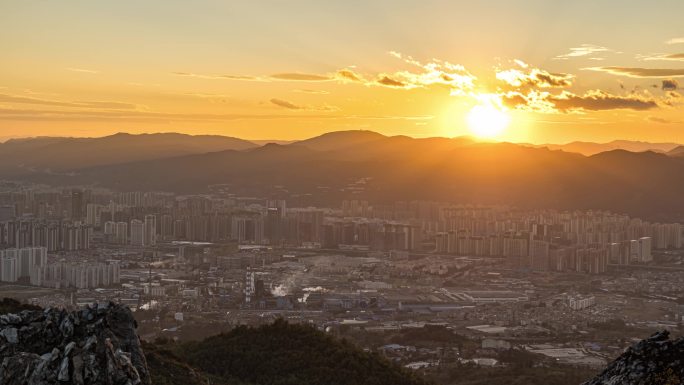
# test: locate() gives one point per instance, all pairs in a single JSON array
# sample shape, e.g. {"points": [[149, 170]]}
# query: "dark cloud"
{"points": [[598, 100], [389, 82], [301, 77], [670, 85], [637, 72], [347, 74], [660, 120], [567, 101], [286, 104]]}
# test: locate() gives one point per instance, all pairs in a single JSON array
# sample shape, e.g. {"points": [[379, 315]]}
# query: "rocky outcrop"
{"points": [[657, 360], [93, 346]]}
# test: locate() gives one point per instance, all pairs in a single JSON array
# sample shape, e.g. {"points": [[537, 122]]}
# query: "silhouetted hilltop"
{"points": [[64, 154], [590, 148], [677, 151], [645, 184], [333, 141], [285, 354]]}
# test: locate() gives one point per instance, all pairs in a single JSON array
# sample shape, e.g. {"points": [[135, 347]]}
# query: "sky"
{"points": [[521, 71]]}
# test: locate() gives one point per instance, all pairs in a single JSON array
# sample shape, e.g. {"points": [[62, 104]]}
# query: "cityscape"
{"points": [[383, 192], [574, 287]]}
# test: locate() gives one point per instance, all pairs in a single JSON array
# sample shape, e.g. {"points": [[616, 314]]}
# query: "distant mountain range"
{"points": [[365, 165], [58, 154], [589, 148]]}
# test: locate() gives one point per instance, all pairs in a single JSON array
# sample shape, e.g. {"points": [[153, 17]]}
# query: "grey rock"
{"points": [[653, 361], [94, 346]]}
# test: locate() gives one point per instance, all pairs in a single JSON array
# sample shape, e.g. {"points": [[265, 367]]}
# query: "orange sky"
{"points": [[559, 71]]}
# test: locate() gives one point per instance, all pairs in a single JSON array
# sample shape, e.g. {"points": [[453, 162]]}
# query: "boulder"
{"points": [[92, 346]]}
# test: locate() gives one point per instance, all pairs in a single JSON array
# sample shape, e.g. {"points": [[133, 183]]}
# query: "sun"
{"points": [[487, 121]]}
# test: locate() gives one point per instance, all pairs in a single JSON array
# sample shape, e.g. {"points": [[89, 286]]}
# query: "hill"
{"points": [[98, 345], [590, 148], [645, 184], [327, 169], [19, 156], [677, 151], [288, 354]]}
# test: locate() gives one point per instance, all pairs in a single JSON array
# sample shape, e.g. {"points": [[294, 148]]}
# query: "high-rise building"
{"points": [[93, 212], [76, 204], [137, 232], [150, 231]]}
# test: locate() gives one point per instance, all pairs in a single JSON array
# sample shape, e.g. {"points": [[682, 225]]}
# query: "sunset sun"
{"points": [[487, 121]]}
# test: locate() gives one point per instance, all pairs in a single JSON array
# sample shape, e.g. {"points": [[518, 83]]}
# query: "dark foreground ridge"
{"points": [[95, 345], [656, 360]]}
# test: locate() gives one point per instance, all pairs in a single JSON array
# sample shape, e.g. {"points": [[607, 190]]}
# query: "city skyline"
{"points": [[276, 71]]}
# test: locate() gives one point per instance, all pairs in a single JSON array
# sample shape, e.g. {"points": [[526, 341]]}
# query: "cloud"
{"points": [[82, 70], [286, 104], [220, 77], [636, 72], [662, 56], [76, 104], [534, 77], [435, 72], [109, 115], [595, 100], [670, 85], [308, 91], [291, 106], [301, 77], [348, 75], [287, 76], [661, 120], [385, 80], [676, 40], [583, 50]]}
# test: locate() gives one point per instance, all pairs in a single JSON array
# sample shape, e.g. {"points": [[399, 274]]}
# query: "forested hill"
{"points": [[274, 354]]}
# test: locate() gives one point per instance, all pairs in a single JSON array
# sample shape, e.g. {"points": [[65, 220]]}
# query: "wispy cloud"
{"points": [[292, 106], [75, 104], [301, 77], [676, 40], [662, 120], [662, 56], [637, 72], [82, 70], [583, 50], [220, 77], [435, 72], [309, 91], [109, 115]]}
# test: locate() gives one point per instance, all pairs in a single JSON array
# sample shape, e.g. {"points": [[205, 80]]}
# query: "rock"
{"points": [[94, 346], [10, 335], [656, 360]]}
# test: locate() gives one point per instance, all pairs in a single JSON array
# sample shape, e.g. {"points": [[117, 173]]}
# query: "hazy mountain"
{"points": [[340, 140], [590, 148], [677, 151], [64, 154], [646, 184]]}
